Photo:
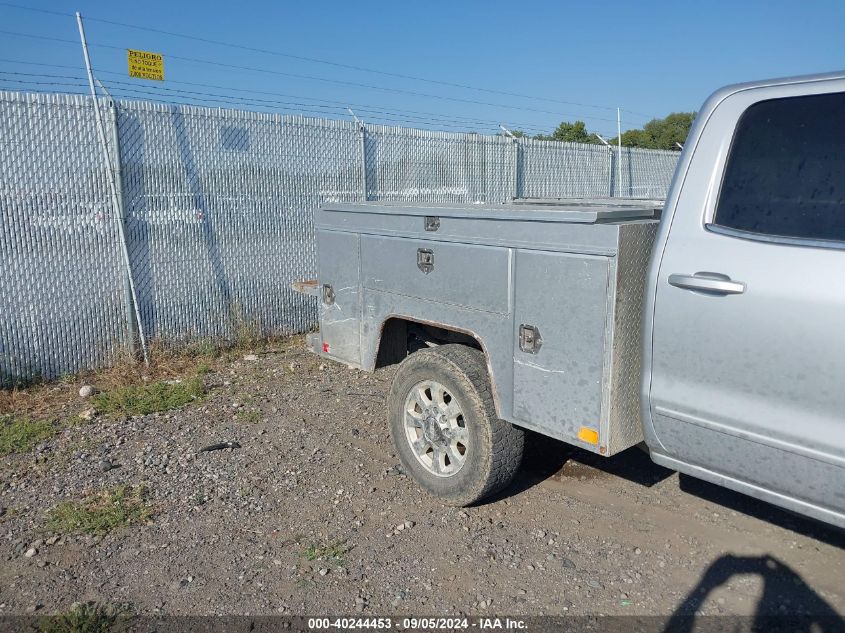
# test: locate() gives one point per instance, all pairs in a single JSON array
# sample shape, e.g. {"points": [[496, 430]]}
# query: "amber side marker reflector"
{"points": [[588, 435]]}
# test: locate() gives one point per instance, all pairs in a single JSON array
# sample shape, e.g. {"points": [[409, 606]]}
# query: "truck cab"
{"points": [[743, 337]]}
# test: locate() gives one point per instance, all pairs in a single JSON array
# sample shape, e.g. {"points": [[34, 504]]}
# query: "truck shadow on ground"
{"points": [[546, 458], [786, 603]]}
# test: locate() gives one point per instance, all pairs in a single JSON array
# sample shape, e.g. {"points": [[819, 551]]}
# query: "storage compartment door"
{"points": [[466, 275], [558, 383], [340, 307]]}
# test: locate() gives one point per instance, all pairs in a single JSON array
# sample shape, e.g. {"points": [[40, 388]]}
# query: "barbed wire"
{"points": [[344, 104], [124, 88], [195, 60], [326, 62]]}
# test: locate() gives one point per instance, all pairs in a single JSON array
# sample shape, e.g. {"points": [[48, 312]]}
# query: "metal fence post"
{"points": [[112, 185], [517, 149], [117, 170], [362, 128]]}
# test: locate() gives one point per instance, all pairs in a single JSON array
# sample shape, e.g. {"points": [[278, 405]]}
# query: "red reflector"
{"points": [[325, 348]]}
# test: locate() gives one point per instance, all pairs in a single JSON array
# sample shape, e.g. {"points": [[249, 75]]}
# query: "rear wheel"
{"points": [[444, 425]]}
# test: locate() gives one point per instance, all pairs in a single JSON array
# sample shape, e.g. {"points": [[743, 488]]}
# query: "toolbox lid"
{"points": [[566, 210]]}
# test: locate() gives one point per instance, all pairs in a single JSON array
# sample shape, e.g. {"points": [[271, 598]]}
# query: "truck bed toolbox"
{"points": [[551, 291]]}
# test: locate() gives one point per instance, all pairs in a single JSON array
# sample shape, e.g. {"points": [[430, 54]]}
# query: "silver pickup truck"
{"points": [[711, 327]]}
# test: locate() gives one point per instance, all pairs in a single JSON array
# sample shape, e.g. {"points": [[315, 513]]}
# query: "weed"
{"points": [[68, 379], [37, 399], [87, 618], [18, 435], [203, 348], [247, 333], [331, 551], [100, 513], [146, 399], [8, 381], [249, 416]]}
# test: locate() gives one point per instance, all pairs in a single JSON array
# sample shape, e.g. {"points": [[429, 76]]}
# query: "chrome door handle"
{"points": [[709, 283]]}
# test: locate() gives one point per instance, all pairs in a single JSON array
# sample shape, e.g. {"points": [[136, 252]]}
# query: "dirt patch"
{"points": [[310, 513]]}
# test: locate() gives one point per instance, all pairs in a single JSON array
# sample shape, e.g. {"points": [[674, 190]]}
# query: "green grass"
{"points": [[100, 513], [87, 618], [18, 435], [249, 416], [146, 399], [332, 551]]}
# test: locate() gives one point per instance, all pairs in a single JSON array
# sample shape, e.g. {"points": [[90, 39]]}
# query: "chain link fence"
{"points": [[217, 208], [418, 165], [565, 170], [646, 173], [218, 214], [62, 303]]}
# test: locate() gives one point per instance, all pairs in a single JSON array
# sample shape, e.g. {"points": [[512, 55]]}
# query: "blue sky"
{"points": [[577, 60]]}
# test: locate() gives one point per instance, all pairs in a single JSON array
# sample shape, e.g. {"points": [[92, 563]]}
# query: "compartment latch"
{"points": [[530, 340], [425, 260], [432, 223], [328, 294]]}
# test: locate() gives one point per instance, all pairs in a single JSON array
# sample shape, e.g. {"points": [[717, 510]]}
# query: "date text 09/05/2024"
{"points": [[413, 624]]}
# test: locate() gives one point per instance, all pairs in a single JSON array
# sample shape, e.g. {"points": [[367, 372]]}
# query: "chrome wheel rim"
{"points": [[436, 429]]}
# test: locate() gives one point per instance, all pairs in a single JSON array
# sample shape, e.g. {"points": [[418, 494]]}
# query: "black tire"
{"points": [[494, 451]]}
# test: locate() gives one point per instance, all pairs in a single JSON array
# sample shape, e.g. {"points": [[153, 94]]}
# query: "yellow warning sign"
{"points": [[145, 65]]}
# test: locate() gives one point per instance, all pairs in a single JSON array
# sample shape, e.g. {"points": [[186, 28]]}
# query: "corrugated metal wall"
{"points": [[218, 214]]}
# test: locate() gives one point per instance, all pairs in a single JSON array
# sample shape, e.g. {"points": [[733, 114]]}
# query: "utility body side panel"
{"points": [[340, 318], [565, 297], [487, 271], [478, 264]]}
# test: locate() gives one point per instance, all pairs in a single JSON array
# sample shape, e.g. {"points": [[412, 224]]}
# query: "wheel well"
{"points": [[402, 337]]}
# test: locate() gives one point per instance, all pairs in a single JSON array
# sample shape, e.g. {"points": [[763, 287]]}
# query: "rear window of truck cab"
{"points": [[785, 175]]}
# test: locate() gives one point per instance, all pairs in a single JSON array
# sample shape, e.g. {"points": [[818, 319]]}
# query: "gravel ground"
{"points": [[233, 530]]}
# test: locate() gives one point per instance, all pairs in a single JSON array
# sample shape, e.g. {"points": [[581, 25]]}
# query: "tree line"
{"points": [[665, 133]]}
